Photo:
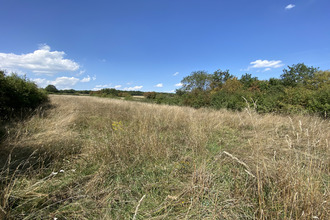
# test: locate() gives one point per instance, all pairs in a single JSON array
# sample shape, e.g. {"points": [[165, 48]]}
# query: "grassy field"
{"points": [[94, 158]]}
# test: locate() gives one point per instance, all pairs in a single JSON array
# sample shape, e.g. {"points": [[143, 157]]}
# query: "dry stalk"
{"points": [[137, 207], [247, 168]]}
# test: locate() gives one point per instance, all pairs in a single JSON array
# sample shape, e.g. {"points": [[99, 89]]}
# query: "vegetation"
{"points": [[18, 96], [301, 89], [92, 158]]}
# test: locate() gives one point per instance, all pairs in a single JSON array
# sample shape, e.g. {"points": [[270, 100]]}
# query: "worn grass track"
{"points": [[94, 158]]}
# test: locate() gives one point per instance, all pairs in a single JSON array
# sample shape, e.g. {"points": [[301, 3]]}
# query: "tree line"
{"points": [[300, 89]]}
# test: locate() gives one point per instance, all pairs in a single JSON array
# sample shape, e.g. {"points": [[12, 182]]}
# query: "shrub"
{"points": [[18, 95], [150, 95]]}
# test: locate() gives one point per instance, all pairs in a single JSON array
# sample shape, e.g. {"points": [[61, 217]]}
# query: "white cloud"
{"points": [[94, 77], [178, 84], [103, 86], [290, 6], [267, 69], [133, 88], [266, 64], [159, 85], [41, 82], [176, 73], [60, 82], [117, 86], [64, 81], [86, 79], [41, 61], [81, 72]]}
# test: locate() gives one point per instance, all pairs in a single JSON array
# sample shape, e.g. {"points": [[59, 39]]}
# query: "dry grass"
{"points": [[189, 164]]}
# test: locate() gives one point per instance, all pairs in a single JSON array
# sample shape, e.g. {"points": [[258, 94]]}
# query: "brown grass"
{"points": [[189, 164]]}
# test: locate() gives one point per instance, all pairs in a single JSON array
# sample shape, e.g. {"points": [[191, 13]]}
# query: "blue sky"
{"points": [[150, 45]]}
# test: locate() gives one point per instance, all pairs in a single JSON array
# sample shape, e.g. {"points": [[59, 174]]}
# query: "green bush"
{"points": [[224, 99], [18, 95]]}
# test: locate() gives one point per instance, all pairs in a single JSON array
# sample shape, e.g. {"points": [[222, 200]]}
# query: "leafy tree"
{"points": [[219, 78], [111, 92], [232, 85], [298, 74], [198, 80], [247, 80], [51, 89], [320, 80]]}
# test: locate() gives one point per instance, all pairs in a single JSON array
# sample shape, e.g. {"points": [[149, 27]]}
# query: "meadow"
{"points": [[82, 157]]}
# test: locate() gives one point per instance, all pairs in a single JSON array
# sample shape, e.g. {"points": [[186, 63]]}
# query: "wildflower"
{"points": [[117, 125]]}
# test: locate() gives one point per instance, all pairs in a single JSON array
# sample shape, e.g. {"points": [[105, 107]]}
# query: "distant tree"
{"points": [[112, 91], [232, 85], [321, 79], [198, 80], [219, 78], [298, 74], [247, 80], [150, 95], [51, 89]]}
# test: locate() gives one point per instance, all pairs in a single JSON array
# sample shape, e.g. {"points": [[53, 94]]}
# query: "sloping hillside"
{"points": [[94, 158]]}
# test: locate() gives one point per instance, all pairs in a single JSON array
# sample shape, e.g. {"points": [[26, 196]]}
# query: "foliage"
{"points": [[150, 95], [18, 96], [297, 74], [301, 89], [198, 80], [51, 89], [219, 78]]}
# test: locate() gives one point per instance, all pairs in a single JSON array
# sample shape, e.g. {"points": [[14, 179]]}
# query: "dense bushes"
{"points": [[301, 89], [18, 95]]}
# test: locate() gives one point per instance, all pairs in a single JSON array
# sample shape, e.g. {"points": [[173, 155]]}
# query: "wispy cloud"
{"points": [[159, 85], [266, 64], [103, 86], [133, 88], [178, 84], [290, 6], [41, 61], [176, 73], [86, 79]]}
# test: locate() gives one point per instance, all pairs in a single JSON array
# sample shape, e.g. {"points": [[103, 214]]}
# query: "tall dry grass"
{"points": [[98, 158]]}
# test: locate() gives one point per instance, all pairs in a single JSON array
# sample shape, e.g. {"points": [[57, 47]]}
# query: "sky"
{"points": [[151, 45]]}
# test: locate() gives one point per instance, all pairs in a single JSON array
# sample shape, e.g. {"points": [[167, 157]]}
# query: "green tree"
{"points": [[198, 80], [219, 78], [320, 80], [298, 74], [247, 80], [51, 89]]}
